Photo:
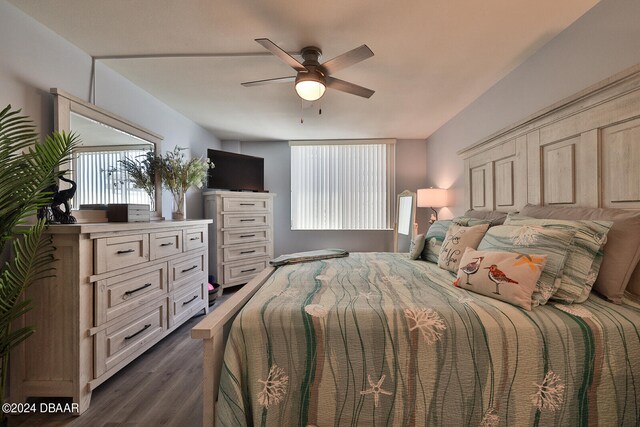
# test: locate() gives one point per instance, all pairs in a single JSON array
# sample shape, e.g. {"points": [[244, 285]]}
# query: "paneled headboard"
{"points": [[582, 151]]}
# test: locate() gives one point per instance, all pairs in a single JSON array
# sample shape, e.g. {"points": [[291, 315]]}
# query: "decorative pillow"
{"points": [[508, 276], [584, 258], [621, 253], [417, 245], [496, 217], [459, 238], [435, 236], [466, 221], [534, 240]]}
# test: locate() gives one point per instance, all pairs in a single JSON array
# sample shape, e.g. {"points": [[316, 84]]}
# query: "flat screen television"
{"points": [[236, 172]]}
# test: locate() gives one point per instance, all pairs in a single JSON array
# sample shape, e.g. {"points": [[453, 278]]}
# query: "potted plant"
{"points": [[179, 174], [28, 171], [141, 171]]}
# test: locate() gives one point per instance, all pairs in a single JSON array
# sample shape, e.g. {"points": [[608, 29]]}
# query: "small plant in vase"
{"points": [[179, 174], [141, 171]]}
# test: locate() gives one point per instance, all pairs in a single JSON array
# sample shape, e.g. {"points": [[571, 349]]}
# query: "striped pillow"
{"points": [[585, 254], [534, 240], [467, 221], [433, 243]]}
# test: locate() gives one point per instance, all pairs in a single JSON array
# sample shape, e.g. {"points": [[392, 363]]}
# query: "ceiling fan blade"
{"points": [[347, 87], [284, 56], [289, 79], [347, 59]]}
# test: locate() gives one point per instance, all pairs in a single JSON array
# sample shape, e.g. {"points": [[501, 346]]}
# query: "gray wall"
{"points": [[604, 41], [410, 174], [34, 59]]}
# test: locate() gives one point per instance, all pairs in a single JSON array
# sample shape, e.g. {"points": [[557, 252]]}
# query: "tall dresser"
{"points": [[119, 289], [241, 234]]}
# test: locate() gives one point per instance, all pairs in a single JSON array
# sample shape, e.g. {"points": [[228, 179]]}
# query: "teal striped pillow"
{"points": [[585, 253], [467, 221], [534, 240], [433, 243]]}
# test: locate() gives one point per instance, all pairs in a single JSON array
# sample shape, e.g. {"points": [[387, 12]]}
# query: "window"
{"points": [[342, 185]]}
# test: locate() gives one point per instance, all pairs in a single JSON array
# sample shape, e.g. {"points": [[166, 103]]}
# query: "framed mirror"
{"points": [[404, 229], [97, 164]]}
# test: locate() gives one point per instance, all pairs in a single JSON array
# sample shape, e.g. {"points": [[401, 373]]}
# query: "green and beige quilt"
{"points": [[377, 339]]}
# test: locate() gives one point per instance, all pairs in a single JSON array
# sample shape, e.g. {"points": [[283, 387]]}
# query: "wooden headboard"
{"points": [[582, 151]]}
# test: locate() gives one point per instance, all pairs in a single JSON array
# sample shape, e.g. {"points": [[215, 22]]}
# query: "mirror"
{"points": [[404, 229], [96, 165]]}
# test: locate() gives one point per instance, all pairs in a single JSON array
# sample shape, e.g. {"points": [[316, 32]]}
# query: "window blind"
{"points": [[101, 179], [342, 185]]}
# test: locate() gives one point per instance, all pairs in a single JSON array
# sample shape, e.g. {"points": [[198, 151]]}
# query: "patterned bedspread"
{"points": [[377, 339]]}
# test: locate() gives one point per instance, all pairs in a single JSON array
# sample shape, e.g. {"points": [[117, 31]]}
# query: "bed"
{"points": [[380, 339]]}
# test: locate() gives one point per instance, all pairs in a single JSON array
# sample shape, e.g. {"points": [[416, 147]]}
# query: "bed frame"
{"points": [[213, 331], [582, 151]]}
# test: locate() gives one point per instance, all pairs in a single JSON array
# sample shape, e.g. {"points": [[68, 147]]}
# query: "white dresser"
{"points": [[119, 289], [241, 235]]}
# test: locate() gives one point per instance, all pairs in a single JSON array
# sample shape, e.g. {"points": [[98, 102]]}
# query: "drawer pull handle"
{"points": [[192, 298], [246, 271], [189, 269], [167, 244], [194, 238], [133, 291], [247, 204], [128, 251], [247, 219], [247, 252], [147, 326], [247, 235]]}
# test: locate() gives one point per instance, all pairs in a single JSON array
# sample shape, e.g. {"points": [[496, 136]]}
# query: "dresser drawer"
{"points": [[242, 204], [186, 270], [165, 244], [232, 237], [122, 294], [242, 252], [129, 337], [195, 238], [243, 272], [112, 253], [184, 302], [248, 220]]}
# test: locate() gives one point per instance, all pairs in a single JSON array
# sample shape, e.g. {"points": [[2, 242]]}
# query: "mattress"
{"points": [[380, 339]]}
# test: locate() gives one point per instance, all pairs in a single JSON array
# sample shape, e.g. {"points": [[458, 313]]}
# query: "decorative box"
{"points": [[127, 212]]}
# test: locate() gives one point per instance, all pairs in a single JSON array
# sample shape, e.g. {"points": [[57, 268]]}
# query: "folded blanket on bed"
{"points": [[308, 256]]}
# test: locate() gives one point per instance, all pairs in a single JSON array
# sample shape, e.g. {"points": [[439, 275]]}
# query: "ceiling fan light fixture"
{"points": [[310, 86]]}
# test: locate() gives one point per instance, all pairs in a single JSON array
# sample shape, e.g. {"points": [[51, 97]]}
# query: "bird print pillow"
{"points": [[507, 276]]}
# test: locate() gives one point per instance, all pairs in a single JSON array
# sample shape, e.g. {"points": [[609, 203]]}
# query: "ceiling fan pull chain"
{"points": [[301, 110], [320, 109]]}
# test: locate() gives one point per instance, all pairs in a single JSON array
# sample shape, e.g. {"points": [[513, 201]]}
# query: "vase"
{"points": [[179, 212]]}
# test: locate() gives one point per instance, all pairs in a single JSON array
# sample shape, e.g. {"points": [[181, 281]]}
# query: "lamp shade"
{"points": [[432, 198], [310, 86]]}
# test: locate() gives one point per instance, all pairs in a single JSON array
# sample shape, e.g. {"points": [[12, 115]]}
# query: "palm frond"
{"points": [[29, 179], [29, 171]]}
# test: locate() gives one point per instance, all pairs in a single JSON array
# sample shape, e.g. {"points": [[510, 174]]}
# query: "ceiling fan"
{"points": [[313, 78]]}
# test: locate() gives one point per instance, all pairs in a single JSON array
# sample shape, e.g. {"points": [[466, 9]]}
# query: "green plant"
{"points": [[178, 174], [28, 170], [142, 173]]}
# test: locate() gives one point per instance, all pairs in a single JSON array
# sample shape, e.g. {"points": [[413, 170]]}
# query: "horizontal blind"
{"points": [[342, 186], [101, 179]]}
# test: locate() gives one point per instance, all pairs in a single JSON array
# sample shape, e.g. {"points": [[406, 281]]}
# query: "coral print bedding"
{"points": [[378, 339]]}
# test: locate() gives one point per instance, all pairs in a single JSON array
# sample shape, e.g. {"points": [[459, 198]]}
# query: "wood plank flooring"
{"points": [[162, 387]]}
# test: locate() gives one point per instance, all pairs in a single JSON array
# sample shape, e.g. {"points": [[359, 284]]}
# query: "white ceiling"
{"points": [[432, 57]]}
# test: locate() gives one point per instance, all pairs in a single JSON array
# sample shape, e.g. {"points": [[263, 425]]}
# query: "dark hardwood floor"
{"points": [[159, 388]]}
